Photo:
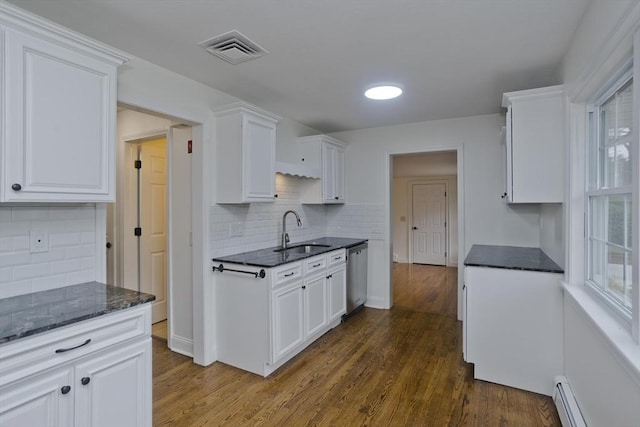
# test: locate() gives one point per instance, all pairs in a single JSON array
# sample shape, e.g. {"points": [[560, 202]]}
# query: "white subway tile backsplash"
{"points": [[48, 283], [262, 223], [64, 239], [67, 266], [5, 274], [71, 256], [30, 271], [6, 244], [12, 259]]}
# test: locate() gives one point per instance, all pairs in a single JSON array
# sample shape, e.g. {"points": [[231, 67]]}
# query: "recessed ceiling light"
{"points": [[383, 92]]}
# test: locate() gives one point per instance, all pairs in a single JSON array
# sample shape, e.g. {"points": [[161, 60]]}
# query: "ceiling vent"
{"points": [[234, 47]]}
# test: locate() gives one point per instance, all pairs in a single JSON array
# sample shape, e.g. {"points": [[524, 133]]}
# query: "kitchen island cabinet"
{"points": [[58, 112], [76, 356], [264, 322], [512, 320]]}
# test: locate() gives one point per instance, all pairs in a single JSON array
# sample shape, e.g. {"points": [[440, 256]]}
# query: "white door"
{"points": [[153, 221], [429, 223], [287, 320], [315, 304]]}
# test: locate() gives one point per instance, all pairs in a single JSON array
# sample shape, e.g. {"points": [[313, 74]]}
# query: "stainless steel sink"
{"points": [[303, 249]]}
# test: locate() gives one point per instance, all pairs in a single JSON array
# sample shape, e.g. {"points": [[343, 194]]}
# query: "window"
{"points": [[609, 195]]}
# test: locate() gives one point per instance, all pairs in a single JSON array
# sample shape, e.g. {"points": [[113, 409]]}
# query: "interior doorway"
{"points": [[424, 194], [150, 226]]}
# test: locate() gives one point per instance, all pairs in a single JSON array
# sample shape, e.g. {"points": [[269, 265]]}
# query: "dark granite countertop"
{"points": [[29, 314], [512, 258], [267, 258]]}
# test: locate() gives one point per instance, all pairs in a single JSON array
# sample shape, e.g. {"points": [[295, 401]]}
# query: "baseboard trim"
{"points": [[181, 345]]}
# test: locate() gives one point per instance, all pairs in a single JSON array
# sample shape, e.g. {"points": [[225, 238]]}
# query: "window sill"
{"points": [[616, 334]]}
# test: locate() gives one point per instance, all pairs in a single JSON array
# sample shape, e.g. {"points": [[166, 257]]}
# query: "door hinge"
{"points": [[137, 164], [445, 254], [445, 194], [137, 231]]}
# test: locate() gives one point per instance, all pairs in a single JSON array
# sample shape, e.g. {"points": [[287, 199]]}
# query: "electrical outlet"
{"points": [[38, 241]]}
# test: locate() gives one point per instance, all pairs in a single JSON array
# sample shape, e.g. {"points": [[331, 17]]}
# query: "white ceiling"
{"points": [[454, 58]]}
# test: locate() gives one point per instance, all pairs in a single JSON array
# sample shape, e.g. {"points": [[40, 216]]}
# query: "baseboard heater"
{"points": [[566, 404]]}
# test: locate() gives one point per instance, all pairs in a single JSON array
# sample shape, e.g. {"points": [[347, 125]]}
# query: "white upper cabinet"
{"points": [[58, 113], [326, 154], [245, 154], [534, 145]]}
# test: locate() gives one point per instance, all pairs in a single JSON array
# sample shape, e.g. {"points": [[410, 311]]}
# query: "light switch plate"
{"points": [[38, 241]]}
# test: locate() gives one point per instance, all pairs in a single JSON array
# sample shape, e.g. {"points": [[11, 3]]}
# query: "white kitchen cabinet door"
{"points": [[113, 388], [514, 327], [333, 175], [287, 320], [315, 305], [337, 288], [59, 107], [534, 141], [39, 401], [326, 154], [246, 147]]}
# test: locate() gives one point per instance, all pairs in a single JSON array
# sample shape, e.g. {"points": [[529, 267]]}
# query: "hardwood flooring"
{"points": [[398, 367]]}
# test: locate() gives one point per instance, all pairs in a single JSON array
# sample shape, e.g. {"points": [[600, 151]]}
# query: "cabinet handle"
{"points": [[65, 389], [63, 350], [16, 187], [85, 380], [304, 287], [290, 274], [317, 265], [329, 276], [336, 258]]}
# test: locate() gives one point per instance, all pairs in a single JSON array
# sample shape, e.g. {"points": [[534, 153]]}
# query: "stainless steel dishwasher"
{"points": [[356, 277]]}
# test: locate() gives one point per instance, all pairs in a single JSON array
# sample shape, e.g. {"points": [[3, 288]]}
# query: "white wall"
{"points": [[487, 219], [601, 361], [552, 231]]}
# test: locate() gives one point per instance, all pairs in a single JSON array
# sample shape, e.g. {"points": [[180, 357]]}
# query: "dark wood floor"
{"points": [[398, 367]]}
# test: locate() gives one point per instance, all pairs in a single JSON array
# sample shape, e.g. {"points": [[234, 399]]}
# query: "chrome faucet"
{"points": [[285, 235]]}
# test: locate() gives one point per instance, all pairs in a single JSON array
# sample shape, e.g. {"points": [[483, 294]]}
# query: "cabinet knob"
{"points": [[415, 228], [304, 287], [85, 380], [16, 187], [337, 198], [108, 245], [65, 389]]}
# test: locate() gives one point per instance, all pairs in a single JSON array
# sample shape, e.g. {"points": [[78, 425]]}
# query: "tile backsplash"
{"points": [[242, 228], [70, 257]]}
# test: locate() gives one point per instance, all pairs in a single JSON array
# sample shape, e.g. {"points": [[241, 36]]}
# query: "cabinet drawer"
{"points": [[287, 273], [317, 263], [336, 257], [41, 351]]}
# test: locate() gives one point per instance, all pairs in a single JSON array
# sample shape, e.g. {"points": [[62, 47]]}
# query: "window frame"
{"points": [[594, 190]]}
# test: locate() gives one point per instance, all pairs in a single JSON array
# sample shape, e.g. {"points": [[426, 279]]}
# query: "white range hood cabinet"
{"points": [[298, 170]]}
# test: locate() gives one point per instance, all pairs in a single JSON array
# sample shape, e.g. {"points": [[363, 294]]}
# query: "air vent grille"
{"points": [[234, 47]]}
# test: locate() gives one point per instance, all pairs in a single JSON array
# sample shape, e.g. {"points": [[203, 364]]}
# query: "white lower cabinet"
{"points": [[262, 323], [288, 319], [512, 327], [315, 304], [38, 401], [106, 382]]}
